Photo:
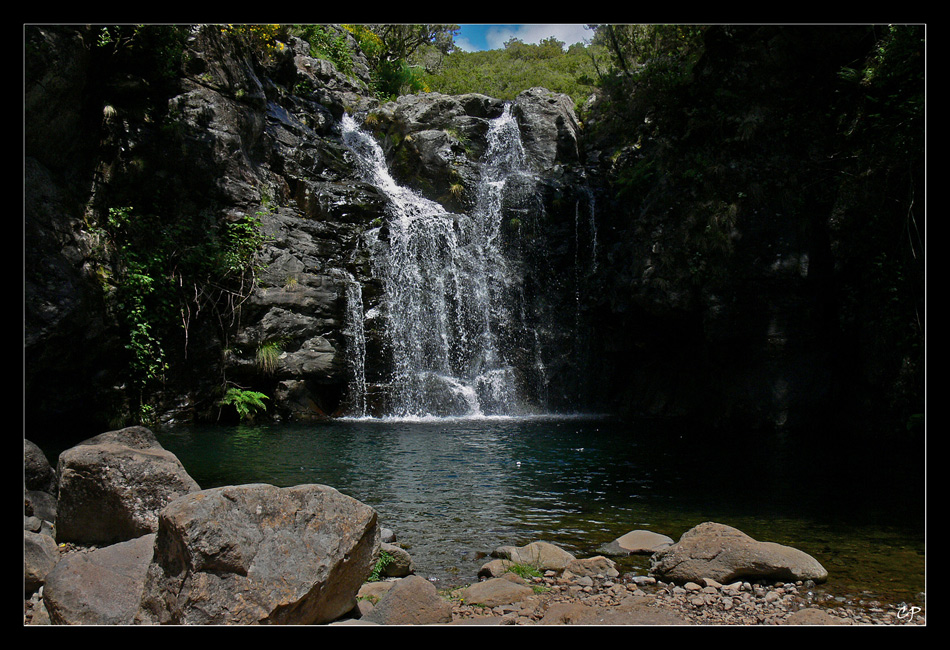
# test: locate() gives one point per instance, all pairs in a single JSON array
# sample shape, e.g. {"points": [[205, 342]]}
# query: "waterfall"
{"points": [[449, 291], [356, 358]]}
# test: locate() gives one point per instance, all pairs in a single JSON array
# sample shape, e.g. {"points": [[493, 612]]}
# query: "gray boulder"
{"points": [[726, 554], [411, 601], [494, 592], [400, 564], [38, 474], [39, 511], [40, 555], [112, 487], [541, 555], [637, 542], [100, 587], [549, 127], [259, 554]]}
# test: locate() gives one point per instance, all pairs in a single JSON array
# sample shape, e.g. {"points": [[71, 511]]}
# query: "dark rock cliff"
{"points": [[709, 271], [229, 139]]}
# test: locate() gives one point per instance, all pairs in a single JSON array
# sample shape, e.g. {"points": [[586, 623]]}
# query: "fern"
{"points": [[246, 402]]}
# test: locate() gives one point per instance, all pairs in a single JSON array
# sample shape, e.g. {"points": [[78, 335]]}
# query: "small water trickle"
{"points": [[356, 358], [450, 294]]}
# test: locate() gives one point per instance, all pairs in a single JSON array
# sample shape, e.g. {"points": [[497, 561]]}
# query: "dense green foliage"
{"points": [[395, 53], [506, 72], [159, 272]]}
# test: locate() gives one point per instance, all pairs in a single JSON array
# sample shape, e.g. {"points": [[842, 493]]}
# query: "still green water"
{"points": [[455, 489]]}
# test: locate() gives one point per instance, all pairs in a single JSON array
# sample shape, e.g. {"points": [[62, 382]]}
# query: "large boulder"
{"points": [[112, 487], [99, 587], [259, 554], [726, 554]]}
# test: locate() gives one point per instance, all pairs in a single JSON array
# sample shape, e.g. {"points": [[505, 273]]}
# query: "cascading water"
{"points": [[449, 292], [357, 337]]}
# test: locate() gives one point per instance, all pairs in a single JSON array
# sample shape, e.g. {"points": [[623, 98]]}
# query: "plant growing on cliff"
{"points": [[159, 272], [391, 51], [267, 356], [328, 43], [247, 403]]}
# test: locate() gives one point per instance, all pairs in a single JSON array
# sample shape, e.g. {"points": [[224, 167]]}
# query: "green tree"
{"points": [[503, 73], [392, 53]]}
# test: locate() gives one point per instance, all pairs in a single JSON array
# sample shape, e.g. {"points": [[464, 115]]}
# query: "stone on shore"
{"points": [[541, 555], [591, 567], [637, 542], [400, 564], [494, 592], [410, 601], [259, 554], [632, 611], [112, 487], [725, 554], [814, 616]]}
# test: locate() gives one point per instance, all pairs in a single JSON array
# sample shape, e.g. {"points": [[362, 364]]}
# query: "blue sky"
{"points": [[491, 37]]}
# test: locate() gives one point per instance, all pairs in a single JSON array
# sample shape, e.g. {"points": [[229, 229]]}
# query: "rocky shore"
{"points": [[628, 600], [608, 598], [118, 534], [631, 600]]}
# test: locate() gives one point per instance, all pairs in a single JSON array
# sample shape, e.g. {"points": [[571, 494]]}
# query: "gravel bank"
{"points": [[604, 601]]}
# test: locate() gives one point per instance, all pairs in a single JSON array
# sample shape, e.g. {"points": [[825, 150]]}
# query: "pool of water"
{"points": [[455, 489]]}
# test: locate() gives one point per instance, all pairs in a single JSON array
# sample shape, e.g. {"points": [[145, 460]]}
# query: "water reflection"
{"points": [[454, 489]]}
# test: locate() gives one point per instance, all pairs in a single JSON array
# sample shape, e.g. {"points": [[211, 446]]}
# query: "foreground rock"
{"points": [[99, 587], [112, 487], [494, 592], [40, 555], [259, 554], [725, 554]]}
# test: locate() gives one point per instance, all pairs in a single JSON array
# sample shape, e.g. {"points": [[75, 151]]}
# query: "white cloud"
{"points": [[534, 34], [464, 44]]}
